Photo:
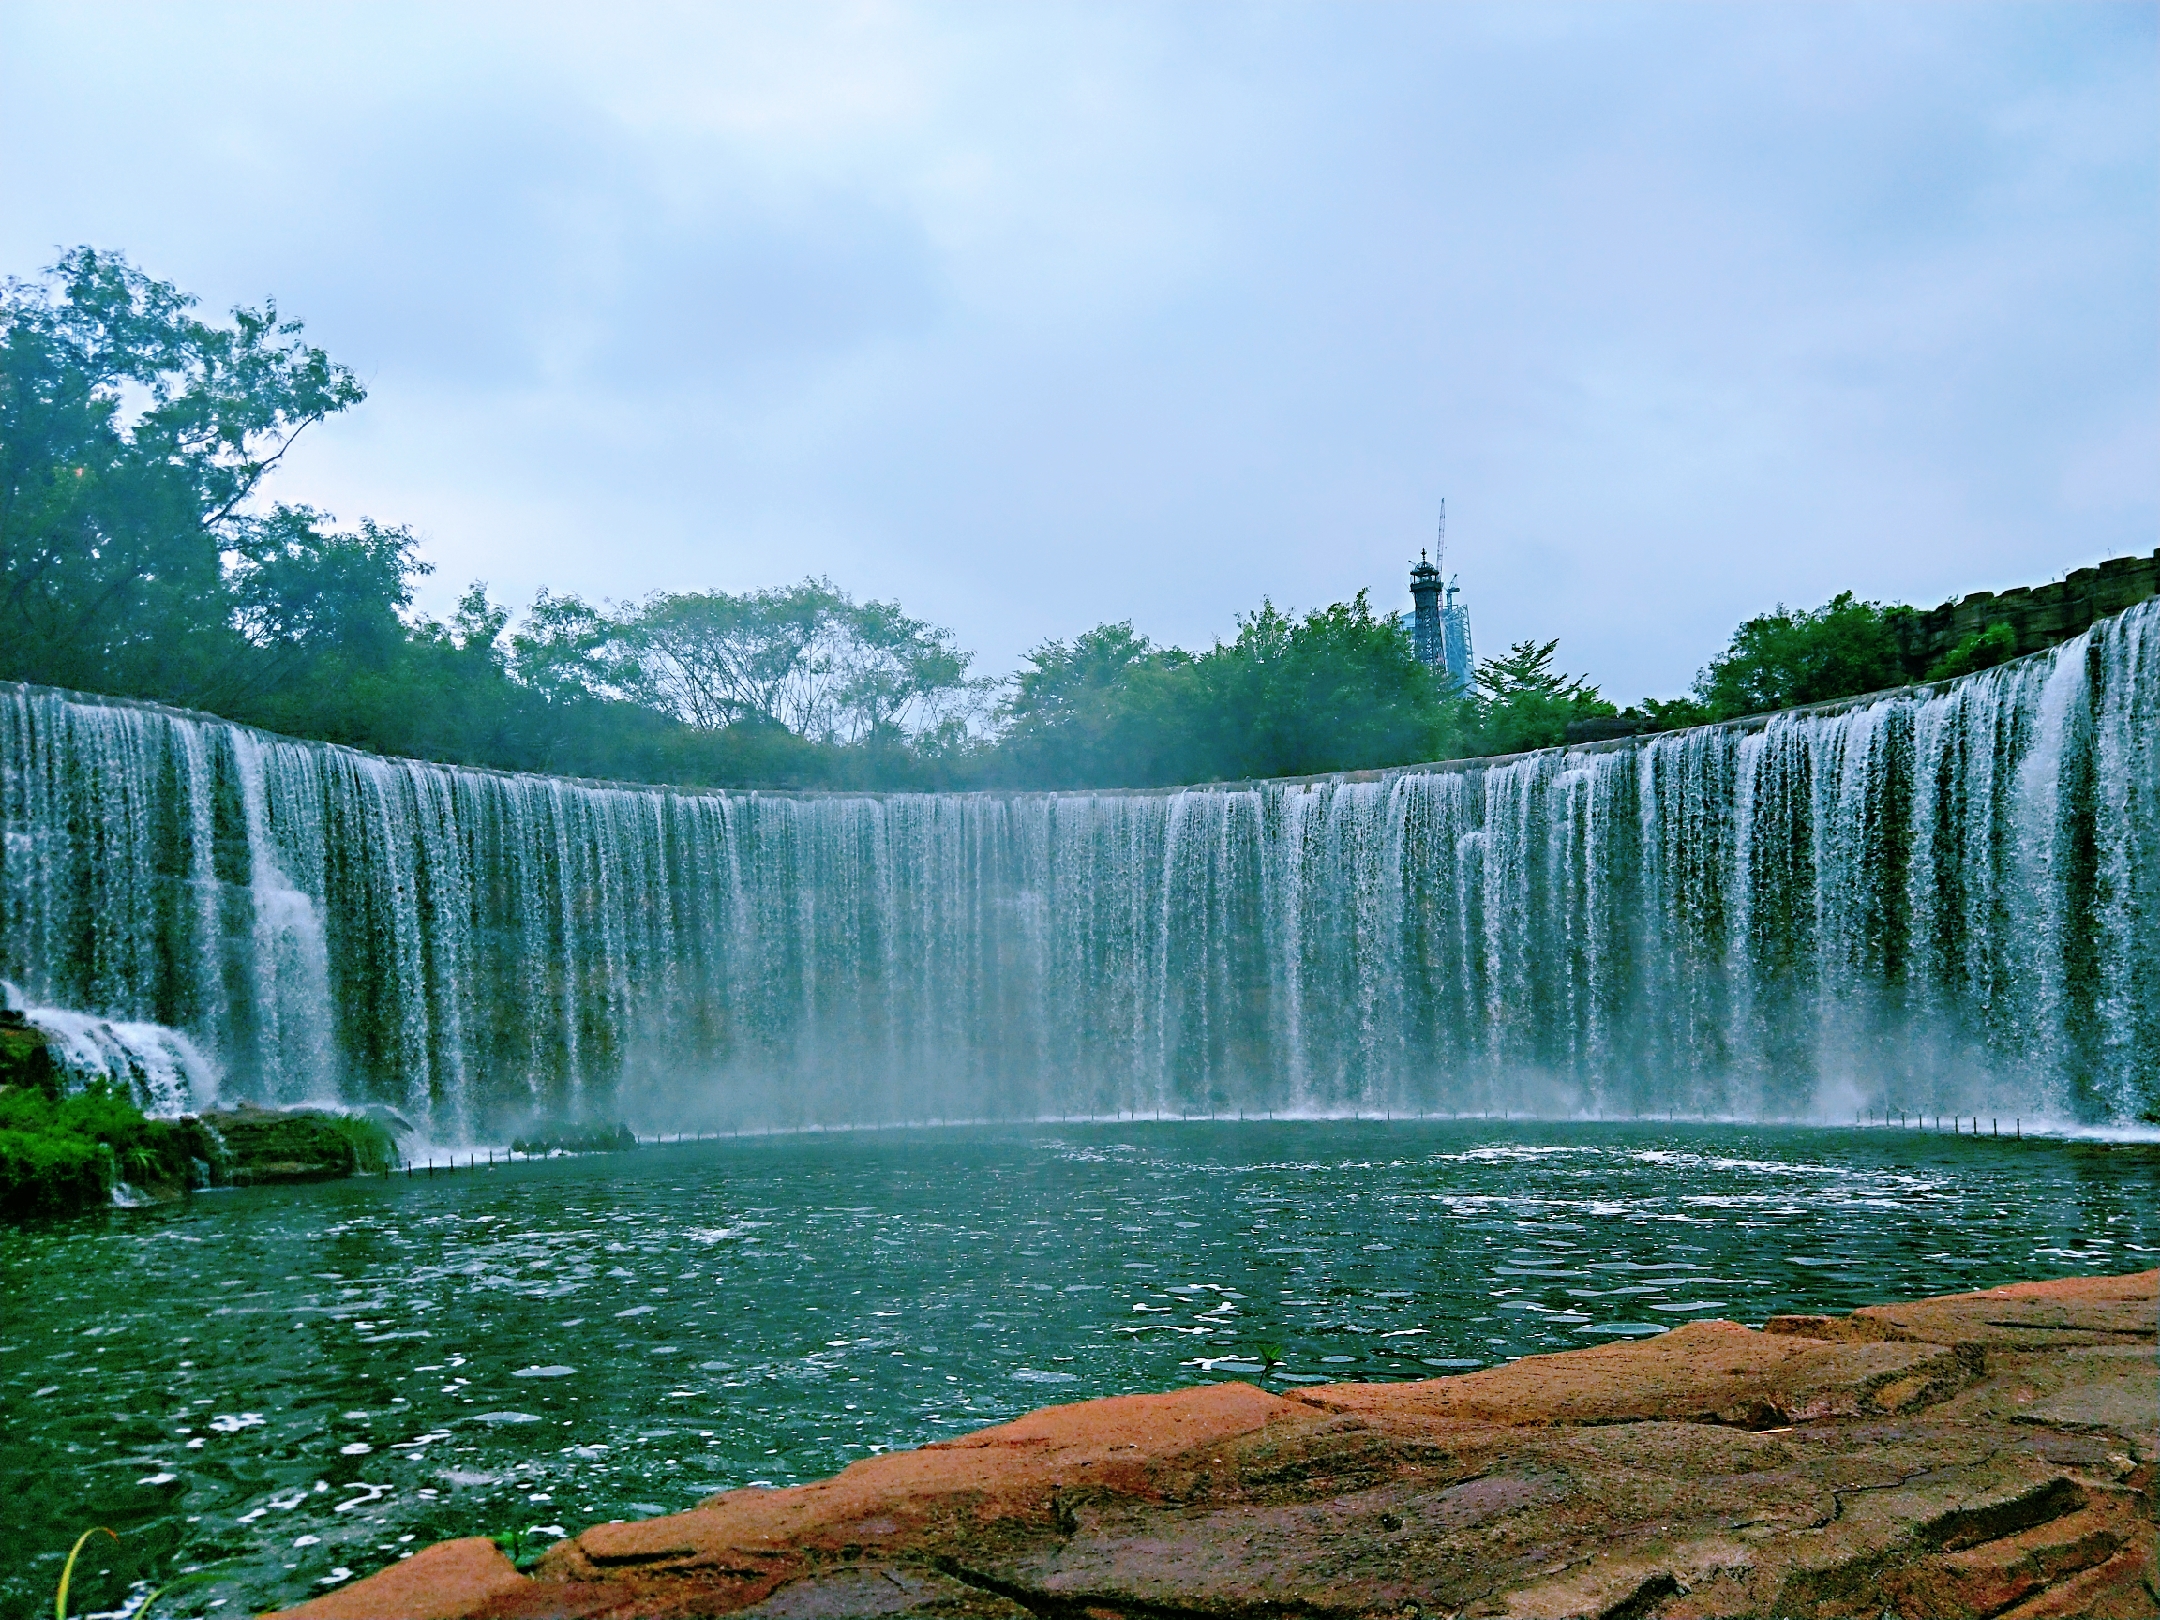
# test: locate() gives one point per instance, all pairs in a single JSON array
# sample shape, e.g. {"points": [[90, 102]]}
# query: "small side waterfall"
{"points": [[1941, 899], [159, 1067]]}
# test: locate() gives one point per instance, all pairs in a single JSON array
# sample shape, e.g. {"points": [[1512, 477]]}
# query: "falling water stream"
{"points": [[1936, 901], [1928, 900]]}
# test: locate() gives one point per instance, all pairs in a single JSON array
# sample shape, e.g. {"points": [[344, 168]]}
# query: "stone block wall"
{"points": [[2041, 615]]}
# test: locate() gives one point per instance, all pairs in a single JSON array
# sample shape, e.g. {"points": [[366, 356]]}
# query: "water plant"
{"points": [[67, 1572], [142, 1610], [150, 1602], [523, 1547]]}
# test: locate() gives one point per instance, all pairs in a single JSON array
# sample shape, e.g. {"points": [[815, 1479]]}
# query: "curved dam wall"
{"points": [[1936, 899]]}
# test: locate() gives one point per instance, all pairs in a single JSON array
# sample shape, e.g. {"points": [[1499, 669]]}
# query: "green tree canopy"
{"points": [[1521, 702], [131, 435], [1335, 689], [1339, 689], [1108, 708], [807, 658], [1787, 658], [298, 582], [138, 557]]}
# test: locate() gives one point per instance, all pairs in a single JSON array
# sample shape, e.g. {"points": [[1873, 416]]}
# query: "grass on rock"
{"points": [[63, 1154]]}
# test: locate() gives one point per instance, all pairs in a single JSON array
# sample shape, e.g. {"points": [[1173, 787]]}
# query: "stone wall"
{"points": [[2041, 615]]}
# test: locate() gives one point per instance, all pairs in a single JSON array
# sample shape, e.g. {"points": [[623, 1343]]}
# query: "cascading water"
{"points": [[1937, 899], [160, 1068]]}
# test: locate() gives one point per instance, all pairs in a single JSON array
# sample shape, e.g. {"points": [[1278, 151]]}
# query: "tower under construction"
{"points": [[1440, 624]]}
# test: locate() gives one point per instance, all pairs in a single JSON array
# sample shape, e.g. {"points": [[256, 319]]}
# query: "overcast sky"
{"points": [[1034, 316]]}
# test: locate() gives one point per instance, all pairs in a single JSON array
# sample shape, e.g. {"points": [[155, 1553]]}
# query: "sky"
{"points": [[1039, 316]]}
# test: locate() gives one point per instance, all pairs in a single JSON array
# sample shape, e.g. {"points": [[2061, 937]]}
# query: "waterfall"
{"points": [[1937, 899], [159, 1067]]}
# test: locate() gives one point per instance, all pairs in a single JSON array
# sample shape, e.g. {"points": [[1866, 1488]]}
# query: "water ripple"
{"points": [[302, 1382]]}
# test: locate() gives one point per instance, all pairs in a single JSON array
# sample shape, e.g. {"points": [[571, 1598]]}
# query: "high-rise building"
{"points": [[1439, 623]]}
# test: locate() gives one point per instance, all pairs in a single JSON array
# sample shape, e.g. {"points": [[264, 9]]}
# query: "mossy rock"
{"points": [[270, 1145], [60, 1155], [561, 1136], [26, 1057]]}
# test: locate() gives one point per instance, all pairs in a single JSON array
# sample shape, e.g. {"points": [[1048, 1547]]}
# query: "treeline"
{"points": [[135, 560], [1794, 657]]}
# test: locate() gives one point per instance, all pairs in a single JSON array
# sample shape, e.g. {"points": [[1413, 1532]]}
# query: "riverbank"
{"points": [[1977, 1454], [65, 1152]]}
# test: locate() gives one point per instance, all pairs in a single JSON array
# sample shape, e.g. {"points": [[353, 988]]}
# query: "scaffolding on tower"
{"points": [[1440, 623]]}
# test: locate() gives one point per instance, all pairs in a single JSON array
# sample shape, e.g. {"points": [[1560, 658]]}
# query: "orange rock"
{"points": [[1006, 1472], [2053, 1314], [442, 1582], [1705, 1372], [1980, 1454], [2133, 1285]]}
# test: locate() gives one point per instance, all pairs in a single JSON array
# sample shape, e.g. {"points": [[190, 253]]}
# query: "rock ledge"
{"points": [[1988, 1454]]}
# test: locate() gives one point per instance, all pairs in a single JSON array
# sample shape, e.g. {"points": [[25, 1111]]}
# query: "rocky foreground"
{"points": [[1983, 1454]]}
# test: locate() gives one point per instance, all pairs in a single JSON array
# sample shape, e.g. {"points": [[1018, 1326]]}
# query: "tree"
{"points": [[131, 435], [1787, 658], [566, 649], [1339, 689], [478, 625], [807, 658], [136, 558], [1052, 695], [1108, 708], [1521, 702], [1336, 689], [716, 659], [897, 678], [297, 582]]}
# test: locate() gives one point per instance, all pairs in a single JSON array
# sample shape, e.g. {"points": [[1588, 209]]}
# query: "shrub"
{"points": [[52, 1173], [1983, 649], [59, 1155]]}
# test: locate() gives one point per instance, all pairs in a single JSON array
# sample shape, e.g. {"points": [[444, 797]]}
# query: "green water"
{"points": [[299, 1385]]}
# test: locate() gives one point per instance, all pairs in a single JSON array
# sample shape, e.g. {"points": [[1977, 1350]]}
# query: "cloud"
{"points": [[1039, 316]]}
